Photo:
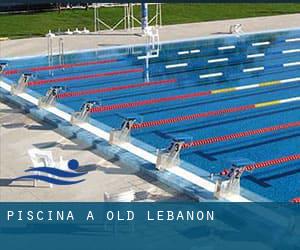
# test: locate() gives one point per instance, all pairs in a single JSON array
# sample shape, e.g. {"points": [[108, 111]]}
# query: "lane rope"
{"points": [[65, 66], [191, 117], [80, 77], [269, 163], [188, 96], [263, 164], [240, 135], [160, 122], [111, 89], [296, 200], [147, 102]]}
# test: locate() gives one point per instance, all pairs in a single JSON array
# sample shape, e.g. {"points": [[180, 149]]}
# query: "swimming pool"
{"points": [[232, 98]]}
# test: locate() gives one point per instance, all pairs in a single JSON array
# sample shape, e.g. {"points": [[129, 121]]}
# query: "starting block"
{"points": [[122, 135], [231, 185], [22, 84], [49, 98], [170, 157], [84, 113]]}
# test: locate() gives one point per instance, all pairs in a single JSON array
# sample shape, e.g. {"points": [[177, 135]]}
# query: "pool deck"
{"points": [[106, 176], [18, 133], [38, 45]]}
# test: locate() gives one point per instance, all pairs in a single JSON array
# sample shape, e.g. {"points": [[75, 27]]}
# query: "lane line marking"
{"points": [[291, 64], [178, 65], [226, 47], [261, 43], [211, 75], [256, 55], [147, 56], [183, 52], [218, 60], [253, 69], [195, 51], [292, 40], [290, 51]]}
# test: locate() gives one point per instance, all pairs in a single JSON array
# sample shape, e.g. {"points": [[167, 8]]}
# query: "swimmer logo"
{"points": [[55, 172]]}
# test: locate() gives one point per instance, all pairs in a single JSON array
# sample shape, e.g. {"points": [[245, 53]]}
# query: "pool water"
{"points": [[193, 77]]}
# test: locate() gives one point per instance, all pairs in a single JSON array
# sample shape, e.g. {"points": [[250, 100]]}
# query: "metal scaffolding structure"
{"points": [[129, 20]]}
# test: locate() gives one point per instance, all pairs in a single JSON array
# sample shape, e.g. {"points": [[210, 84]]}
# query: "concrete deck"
{"points": [[18, 132], [36, 46]]}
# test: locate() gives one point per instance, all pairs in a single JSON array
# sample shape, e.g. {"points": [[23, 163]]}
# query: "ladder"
{"points": [[153, 47], [153, 40], [61, 52], [50, 53]]}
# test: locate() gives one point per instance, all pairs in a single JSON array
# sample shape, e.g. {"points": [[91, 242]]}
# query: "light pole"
{"points": [[144, 14]]}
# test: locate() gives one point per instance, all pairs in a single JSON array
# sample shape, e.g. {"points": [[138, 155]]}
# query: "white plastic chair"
{"points": [[40, 158], [50, 34], [85, 31], [236, 29], [77, 31], [69, 32]]}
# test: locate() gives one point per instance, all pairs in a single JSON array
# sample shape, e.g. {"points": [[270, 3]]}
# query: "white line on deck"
{"points": [[290, 51], [193, 178], [5, 86], [292, 40], [226, 47], [170, 66], [261, 43], [211, 75], [218, 60], [256, 55], [59, 113], [291, 64], [253, 69]]}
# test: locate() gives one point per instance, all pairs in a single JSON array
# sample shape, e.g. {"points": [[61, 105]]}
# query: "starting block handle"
{"points": [[127, 123], [169, 157], [22, 83], [50, 97], [3, 65], [122, 135], [84, 113], [230, 185]]}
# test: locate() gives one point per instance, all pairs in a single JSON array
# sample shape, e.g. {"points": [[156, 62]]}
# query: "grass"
{"points": [[38, 24]]}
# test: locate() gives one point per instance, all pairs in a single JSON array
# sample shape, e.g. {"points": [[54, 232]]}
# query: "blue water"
{"points": [[280, 183]]}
